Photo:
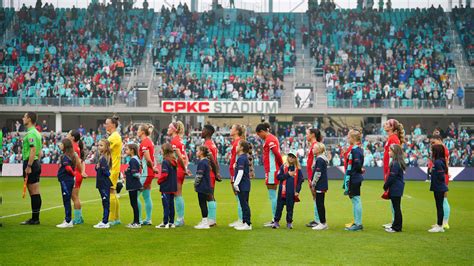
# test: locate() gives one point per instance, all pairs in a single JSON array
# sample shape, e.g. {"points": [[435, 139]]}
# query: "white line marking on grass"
{"points": [[408, 196], [61, 206]]}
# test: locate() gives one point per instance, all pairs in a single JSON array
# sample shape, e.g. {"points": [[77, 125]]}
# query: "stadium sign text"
{"points": [[220, 107]]}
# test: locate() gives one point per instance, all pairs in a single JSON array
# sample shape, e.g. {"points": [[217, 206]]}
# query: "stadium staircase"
{"points": [[464, 70], [303, 76]]}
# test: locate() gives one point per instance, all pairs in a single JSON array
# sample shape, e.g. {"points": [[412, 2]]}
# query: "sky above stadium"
{"points": [[257, 5]]}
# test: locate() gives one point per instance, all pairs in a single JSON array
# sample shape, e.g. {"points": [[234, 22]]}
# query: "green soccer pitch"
{"points": [[46, 244]]}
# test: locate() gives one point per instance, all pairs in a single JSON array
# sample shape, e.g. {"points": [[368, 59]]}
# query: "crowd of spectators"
{"points": [[250, 51], [380, 59], [72, 53]]}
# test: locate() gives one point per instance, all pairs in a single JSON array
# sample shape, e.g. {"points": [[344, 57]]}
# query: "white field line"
{"points": [[62, 206]]}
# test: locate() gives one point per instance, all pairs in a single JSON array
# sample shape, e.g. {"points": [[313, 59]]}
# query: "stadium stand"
{"points": [[76, 56], [390, 59]]}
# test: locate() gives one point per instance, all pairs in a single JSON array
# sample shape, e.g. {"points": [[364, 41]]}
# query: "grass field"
{"points": [[223, 245]]}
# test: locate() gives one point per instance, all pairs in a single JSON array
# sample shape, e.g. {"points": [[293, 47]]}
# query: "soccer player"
{"points": [[237, 133], [396, 135], [115, 140], [31, 153], [291, 178], [438, 184], [272, 161], [80, 172], [146, 153], [313, 136], [437, 140], [176, 131], [207, 133], [353, 178]]}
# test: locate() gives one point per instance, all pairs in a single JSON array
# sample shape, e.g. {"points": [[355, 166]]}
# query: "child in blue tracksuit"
{"points": [[133, 184], [353, 178], [395, 185], [438, 184], [103, 183], [243, 171], [168, 182], [66, 178], [320, 183], [290, 178], [202, 184]]}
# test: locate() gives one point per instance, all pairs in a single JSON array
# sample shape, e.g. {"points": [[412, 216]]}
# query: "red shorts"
{"points": [[180, 179], [78, 181], [213, 180]]}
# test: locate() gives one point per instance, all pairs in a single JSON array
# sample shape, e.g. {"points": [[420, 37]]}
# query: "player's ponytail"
{"points": [[317, 134], [77, 138], [241, 131], [398, 129], [147, 129], [178, 126]]}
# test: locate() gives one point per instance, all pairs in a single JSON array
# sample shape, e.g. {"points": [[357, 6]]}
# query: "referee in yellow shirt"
{"points": [[31, 155], [111, 125]]}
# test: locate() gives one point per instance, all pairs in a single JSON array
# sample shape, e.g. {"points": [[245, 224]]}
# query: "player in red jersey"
{"points": [[207, 133], [146, 153], [237, 133], [396, 135], [79, 174], [271, 162], [313, 136], [176, 131]]}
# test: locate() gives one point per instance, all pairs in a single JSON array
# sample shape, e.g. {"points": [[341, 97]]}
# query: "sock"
{"points": [[35, 207], [148, 203], [316, 214], [272, 195], [113, 215], [77, 215], [357, 210], [446, 210], [239, 209], [179, 201], [212, 206]]}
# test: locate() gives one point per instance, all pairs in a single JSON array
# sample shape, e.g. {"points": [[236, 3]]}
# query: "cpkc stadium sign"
{"points": [[220, 107]]}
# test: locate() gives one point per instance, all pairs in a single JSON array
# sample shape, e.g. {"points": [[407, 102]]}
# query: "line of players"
{"points": [[283, 179]]}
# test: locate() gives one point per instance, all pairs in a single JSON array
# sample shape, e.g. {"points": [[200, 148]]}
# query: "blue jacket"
{"points": [[102, 180], [168, 179], [290, 181], [395, 182], [438, 172], [321, 166], [355, 172], [243, 164], [202, 181], [63, 174], [132, 174]]}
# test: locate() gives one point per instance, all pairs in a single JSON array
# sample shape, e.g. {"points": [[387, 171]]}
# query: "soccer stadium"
{"points": [[236, 132]]}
